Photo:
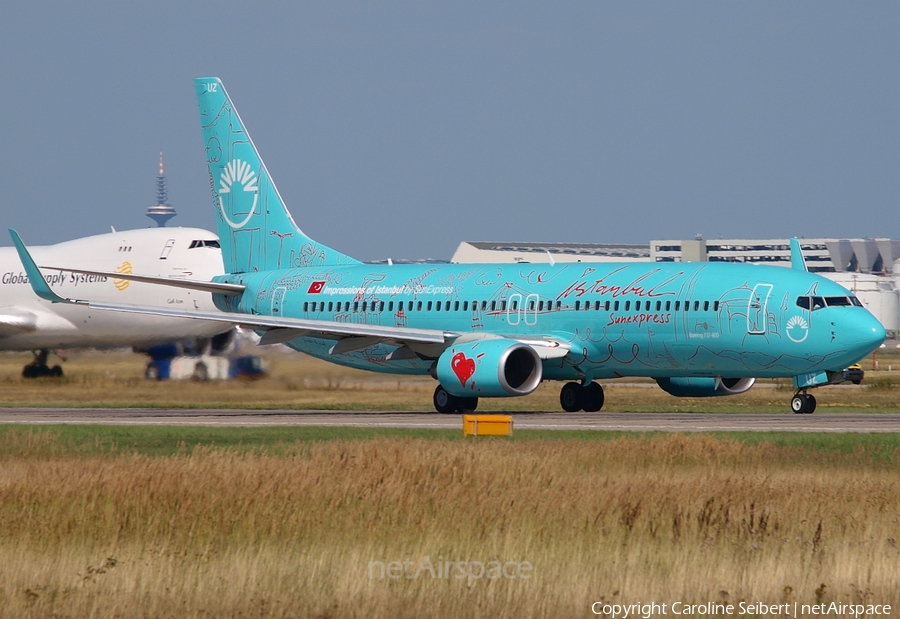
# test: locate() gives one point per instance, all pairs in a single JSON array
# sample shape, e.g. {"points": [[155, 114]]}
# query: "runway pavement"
{"points": [[629, 422]]}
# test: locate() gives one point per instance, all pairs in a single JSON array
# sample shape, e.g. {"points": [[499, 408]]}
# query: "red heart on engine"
{"points": [[463, 367]]}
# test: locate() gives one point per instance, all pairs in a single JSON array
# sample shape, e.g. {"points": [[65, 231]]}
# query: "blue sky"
{"points": [[400, 129]]}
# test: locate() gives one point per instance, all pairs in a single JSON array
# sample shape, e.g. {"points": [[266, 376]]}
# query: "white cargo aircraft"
{"points": [[30, 323]]}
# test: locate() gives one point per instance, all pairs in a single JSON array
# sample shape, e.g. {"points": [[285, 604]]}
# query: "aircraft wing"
{"points": [[190, 284], [279, 329], [287, 329], [13, 321]]}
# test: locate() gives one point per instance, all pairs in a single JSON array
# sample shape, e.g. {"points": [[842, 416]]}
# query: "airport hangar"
{"points": [[870, 268]]}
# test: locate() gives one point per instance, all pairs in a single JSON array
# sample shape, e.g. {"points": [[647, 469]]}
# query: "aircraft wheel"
{"points": [[593, 398], [810, 405], [466, 405], [443, 401], [56, 371], [798, 404], [201, 372], [570, 397]]}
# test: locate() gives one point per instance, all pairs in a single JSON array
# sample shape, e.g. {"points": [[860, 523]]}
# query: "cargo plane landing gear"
{"points": [[575, 397], [39, 367], [446, 403], [803, 404]]}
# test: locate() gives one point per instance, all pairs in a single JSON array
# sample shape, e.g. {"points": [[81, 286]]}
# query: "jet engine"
{"points": [[704, 387], [489, 367]]}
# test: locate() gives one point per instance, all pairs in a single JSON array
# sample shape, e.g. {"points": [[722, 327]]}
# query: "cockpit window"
{"points": [[204, 244], [815, 303], [837, 301]]}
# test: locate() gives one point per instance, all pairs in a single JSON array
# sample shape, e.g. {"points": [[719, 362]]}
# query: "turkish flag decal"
{"points": [[315, 287]]}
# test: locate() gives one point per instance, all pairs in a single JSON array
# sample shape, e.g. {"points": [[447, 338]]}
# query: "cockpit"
{"points": [[817, 303], [201, 243]]}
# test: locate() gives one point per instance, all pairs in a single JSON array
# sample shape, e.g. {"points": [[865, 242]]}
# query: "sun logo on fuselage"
{"points": [[797, 328], [122, 284], [237, 171]]}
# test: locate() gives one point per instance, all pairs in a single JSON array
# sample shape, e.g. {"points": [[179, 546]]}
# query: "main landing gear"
{"points": [[39, 367], [803, 403], [446, 403], [575, 397]]}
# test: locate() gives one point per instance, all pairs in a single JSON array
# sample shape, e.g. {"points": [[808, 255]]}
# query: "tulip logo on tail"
{"points": [[237, 171], [122, 284]]}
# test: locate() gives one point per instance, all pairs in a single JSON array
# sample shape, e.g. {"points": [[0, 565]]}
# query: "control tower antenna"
{"points": [[161, 212]]}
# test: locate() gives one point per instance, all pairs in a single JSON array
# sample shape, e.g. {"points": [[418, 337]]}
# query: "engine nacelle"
{"points": [[491, 368], [704, 387]]}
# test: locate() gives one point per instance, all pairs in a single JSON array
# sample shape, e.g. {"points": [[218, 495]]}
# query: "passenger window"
{"points": [[493, 306], [456, 306], [306, 306], [428, 307], [577, 305], [696, 305], [540, 306], [356, 306], [616, 306], [515, 305], [330, 306], [484, 306], [669, 305], [658, 305], [677, 305], [437, 306], [531, 305], [381, 306], [716, 306], [419, 306], [597, 306], [706, 306], [606, 306], [465, 306], [502, 306], [390, 306], [627, 305]]}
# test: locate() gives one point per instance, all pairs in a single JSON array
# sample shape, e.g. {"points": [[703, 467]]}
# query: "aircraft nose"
{"points": [[867, 333]]}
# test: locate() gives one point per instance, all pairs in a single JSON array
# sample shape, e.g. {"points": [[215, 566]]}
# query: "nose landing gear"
{"points": [[446, 403], [803, 403]]}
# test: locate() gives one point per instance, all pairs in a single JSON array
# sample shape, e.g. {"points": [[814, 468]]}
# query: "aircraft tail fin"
{"points": [[256, 231]]}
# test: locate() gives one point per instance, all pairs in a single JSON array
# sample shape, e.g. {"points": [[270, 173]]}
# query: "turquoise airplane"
{"points": [[698, 329]]}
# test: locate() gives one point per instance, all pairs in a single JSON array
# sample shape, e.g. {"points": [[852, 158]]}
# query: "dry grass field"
{"points": [[223, 533], [297, 381], [278, 528]]}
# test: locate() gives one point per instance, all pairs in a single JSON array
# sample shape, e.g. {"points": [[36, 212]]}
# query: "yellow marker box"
{"points": [[487, 425]]}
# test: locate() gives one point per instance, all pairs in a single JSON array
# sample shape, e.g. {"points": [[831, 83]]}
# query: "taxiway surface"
{"points": [[628, 422]]}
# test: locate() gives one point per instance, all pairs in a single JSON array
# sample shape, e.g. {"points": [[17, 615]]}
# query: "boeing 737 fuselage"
{"points": [[699, 329]]}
